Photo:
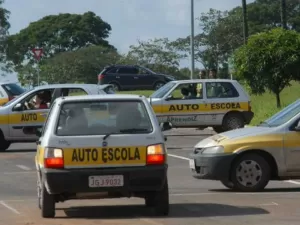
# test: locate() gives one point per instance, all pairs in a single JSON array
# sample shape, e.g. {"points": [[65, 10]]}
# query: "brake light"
{"points": [[100, 76], [54, 158], [156, 154]]}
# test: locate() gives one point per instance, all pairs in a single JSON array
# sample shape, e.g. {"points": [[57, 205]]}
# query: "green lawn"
{"points": [[263, 106]]}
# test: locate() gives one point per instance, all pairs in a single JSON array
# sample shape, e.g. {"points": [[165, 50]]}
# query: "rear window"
{"points": [[103, 117], [13, 89]]}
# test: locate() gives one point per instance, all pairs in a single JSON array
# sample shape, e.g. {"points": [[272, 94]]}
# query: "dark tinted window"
{"points": [[13, 89], [128, 70], [221, 90], [113, 70]]}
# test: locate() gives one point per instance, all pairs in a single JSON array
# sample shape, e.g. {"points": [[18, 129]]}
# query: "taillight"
{"points": [[156, 154], [249, 106], [54, 158], [100, 76]]}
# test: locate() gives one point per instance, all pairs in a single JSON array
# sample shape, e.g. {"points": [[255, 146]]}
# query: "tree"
{"points": [[269, 61], [56, 34], [4, 26], [82, 65]]}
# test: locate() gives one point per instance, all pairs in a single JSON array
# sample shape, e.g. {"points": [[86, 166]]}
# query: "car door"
{"points": [[184, 111], [127, 77], [24, 122], [145, 79], [291, 147], [222, 97]]}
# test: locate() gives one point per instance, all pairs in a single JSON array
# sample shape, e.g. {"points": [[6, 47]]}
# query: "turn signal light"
{"points": [[54, 158], [156, 154]]}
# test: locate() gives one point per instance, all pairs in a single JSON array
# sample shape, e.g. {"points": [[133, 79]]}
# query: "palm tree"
{"points": [[245, 20], [283, 13]]}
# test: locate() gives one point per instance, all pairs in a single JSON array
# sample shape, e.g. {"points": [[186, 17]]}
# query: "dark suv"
{"points": [[132, 77]]}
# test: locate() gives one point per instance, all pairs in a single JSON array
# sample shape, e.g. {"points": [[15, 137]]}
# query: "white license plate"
{"points": [[192, 164], [106, 181]]}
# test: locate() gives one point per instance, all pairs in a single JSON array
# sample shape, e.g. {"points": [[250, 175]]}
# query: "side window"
{"points": [[187, 91], [221, 90], [128, 70], [38, 100], [73, 92], [113, 70]]}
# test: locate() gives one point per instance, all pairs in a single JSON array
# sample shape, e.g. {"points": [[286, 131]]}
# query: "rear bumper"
{"points": [[248, 115], [141, 179]]}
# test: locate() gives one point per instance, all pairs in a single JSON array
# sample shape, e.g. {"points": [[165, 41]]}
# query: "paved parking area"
{"points": [[192, 201]]}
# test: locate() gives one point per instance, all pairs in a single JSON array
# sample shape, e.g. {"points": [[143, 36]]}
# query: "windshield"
{"points": [[102, 118], [161, 92], [13, 89], [284, 115]]}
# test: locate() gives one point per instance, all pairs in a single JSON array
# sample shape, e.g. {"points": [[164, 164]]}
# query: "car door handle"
{"points": [[136, 78], [117, 77]]}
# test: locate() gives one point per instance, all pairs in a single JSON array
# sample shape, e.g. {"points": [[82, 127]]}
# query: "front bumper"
{"points": [[141, 179], [212, 167]]}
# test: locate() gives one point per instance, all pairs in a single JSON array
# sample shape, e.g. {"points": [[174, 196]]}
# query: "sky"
{"points": [[131, 20]]}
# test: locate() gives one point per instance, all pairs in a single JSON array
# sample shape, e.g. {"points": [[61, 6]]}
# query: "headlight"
{"points": [[213, 150]]}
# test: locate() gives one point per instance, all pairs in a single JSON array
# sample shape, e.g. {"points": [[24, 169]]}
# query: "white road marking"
{"points": [[22, 172], [9, 207], [292, 182], [23, 167], [268, 204], [179, 157]]}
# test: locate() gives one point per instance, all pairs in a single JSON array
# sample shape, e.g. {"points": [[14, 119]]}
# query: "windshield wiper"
{"points": [[134, 130], [108, 134]]}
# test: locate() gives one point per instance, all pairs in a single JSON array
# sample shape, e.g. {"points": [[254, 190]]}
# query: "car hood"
{"points": [[233, 135]]}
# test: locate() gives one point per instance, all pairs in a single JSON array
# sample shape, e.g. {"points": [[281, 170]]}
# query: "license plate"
{"points": [[106, 181], [192, 164]]}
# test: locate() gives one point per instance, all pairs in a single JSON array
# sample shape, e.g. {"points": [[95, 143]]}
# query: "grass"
{"points": [[263, 106]]}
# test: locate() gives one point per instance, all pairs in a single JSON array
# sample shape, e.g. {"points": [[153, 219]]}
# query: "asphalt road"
{"points": [[192, 201]]}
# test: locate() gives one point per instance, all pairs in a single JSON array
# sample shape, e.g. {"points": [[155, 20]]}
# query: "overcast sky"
{"points": [[130, 19]]}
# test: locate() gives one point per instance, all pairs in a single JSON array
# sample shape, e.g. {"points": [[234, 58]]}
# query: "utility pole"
{"points": [[245, 21], [283, 14], [192, 40]]}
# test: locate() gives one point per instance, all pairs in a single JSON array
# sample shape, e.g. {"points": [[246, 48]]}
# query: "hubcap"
{"points": [[249, 173]]}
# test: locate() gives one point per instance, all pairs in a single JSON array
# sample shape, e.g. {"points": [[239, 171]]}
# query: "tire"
{"points": [[47, 203], [228, 184], [116, 86], [218, 129], [233, 121], [161, 201], [158, 85], [4, 144], [247, 167]]}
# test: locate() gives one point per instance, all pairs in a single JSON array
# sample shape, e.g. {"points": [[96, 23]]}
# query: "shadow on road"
{"points": [[19, 151], [187, 210], [268, 190]]}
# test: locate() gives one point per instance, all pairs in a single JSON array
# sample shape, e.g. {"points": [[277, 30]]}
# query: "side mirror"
{"points": [[297, 128], [18, 107], [169, 97]]}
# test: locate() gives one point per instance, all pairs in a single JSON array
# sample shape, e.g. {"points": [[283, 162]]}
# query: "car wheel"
{"points": [[218, 129], [227, 184], [233, 121], [158, 85], [116, 87], [161, 201], [250, 173], [47, 203], [4, 144]]}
